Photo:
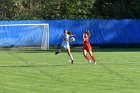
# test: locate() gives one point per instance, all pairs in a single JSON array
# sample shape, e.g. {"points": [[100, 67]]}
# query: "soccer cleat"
{"points": [[57, 53], [95, 63], [71, 61], [89, 61]]}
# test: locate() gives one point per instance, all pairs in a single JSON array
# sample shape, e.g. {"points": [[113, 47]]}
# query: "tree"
{"points": [[119, 9], [68, 9], [8, 9]]}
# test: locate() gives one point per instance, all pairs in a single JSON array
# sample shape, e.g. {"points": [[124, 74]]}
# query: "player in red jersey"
{"points": [[87, 47]]}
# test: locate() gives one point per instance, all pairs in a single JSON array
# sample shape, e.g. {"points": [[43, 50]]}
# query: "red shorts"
{"points": [[87, 47]]}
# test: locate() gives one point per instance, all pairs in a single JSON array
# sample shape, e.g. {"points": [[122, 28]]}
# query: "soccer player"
{"points": [[65, 44], [87, 47]]}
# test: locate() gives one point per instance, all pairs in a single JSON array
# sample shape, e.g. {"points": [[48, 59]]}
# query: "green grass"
{"points": [[44, 72]]}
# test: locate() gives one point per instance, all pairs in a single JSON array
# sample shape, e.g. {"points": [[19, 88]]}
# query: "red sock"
{"points": [[93, 58], [86, 57]]}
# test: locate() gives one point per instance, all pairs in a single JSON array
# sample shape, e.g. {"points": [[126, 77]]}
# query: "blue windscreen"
{"points": [[103, 31]]}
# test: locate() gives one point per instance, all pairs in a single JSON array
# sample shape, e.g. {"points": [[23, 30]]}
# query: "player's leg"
{"points": [[92, 56], [69, 53], [57, 52], [63, 46], [85, 55]]}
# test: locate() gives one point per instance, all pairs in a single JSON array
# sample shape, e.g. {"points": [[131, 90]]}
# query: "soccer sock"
{"points": [[71, 57], [87, 57], [93, 58]]}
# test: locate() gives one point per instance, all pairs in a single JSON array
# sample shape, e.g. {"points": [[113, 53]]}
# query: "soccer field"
{"points": [[44, 72]]}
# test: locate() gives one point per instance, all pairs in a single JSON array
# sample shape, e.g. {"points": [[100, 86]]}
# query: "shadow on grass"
{"points": [[38, 66], [13, 66], [27, 66], [80, 50]]}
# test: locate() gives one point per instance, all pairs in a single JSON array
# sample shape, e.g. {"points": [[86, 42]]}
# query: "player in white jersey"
{"points": [[65, 44]]}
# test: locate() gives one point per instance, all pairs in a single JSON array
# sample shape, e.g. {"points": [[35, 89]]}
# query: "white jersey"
{"points": [[65, 44]]}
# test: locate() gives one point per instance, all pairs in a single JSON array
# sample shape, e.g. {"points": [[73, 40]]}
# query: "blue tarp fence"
{"points": [[103, 31]]}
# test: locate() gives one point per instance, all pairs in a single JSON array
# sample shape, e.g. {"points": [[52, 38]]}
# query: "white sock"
{"points": [[71, 56]]}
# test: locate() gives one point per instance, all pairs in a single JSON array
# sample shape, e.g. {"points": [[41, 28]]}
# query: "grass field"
{"points": [[44, 72]]}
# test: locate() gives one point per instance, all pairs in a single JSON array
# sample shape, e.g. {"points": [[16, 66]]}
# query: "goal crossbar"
{"points": [[24, 24]]}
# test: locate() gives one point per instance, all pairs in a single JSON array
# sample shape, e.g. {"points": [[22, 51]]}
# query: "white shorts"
{"points": [[65, 45]]}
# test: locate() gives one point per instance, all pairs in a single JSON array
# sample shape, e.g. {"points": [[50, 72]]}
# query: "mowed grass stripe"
{"points": [[40, 71], [47, 73]]}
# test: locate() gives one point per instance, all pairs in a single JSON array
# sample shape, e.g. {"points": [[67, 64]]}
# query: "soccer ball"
{"points": [[72, 39]]}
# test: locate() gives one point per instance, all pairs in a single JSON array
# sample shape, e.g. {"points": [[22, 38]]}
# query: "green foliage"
{"points": [[118, 9], [80, 9], [68, 9]]}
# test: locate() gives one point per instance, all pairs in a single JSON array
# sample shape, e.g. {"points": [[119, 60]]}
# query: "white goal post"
{"points": [[35, 28]]}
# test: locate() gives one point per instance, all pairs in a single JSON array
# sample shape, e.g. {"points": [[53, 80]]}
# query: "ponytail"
{"points": [[69, 33]]}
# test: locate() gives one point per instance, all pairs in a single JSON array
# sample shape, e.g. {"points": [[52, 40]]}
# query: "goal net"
{"points": [[34, 36]]}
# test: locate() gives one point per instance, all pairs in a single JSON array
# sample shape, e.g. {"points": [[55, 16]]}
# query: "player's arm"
{"points": [[72, 35], [88, 33], [83, 39]]}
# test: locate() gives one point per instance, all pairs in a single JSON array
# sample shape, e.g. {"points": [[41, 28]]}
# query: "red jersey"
{"points": [[86, 44]]}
